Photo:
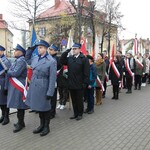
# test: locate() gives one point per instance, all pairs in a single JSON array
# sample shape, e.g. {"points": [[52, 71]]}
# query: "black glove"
{"points": [[32, 47], [5, 92], [6, 71], [68, 50], [48, 97]]}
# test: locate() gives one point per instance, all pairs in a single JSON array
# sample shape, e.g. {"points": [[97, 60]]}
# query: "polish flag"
{"points": [[112, 55], [83, 46], [135, 46]]}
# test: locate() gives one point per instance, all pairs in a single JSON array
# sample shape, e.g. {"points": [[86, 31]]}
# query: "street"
{"points": [[122, 124]]}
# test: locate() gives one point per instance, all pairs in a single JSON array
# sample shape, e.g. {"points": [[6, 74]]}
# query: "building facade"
{"points": [[56, 23], [6, 39]]}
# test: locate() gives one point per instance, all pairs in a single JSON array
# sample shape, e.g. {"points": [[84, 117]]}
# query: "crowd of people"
{"points": [[73, 74]]}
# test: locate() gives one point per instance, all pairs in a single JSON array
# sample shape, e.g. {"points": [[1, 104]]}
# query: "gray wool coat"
{"points": [[42, 82], [19, 71], [3, 79]]}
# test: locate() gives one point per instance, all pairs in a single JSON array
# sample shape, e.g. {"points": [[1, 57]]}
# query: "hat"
{"points": [[2, 48], [76, 45], [20, 48], [55, 48], [90, 57], [129, 52], [41, 42]]}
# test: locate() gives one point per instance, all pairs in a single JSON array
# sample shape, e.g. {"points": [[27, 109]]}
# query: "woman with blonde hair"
{"points": [[101, 69]]}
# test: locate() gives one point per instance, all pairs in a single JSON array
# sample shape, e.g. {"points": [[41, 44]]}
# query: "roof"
{"points": [[3, 24], [64, 6]]}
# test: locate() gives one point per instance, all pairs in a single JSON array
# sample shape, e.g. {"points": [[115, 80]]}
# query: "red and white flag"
{"points": [[112, 55], [115, 70], [19, 86], [100, 83], [83, 45], [135, 46]]}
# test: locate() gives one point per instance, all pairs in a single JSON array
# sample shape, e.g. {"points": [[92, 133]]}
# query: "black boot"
{"points": [[116, 95], [6, 117], [113, 95], [46, 128], [41, 127], [20, 125], [3, 113]]}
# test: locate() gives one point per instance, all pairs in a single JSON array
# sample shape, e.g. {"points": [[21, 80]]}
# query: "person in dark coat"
{"points": [[4, 65], [53, 50], [78, 77], [91, 86], [62, 83], [129, 72], [114, 77], [17, 71], [42, 85], [107, 68]]}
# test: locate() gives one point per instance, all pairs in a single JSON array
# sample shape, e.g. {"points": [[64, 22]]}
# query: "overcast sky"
{"points": [[136, 17]]}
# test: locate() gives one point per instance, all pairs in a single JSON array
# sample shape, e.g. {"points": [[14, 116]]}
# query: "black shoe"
{"points": [[5, 121], [45, 131], [1, 119], [18, 128], [139, 88], [135, 88], [79, 118], [38, 130], [113, 97], [86, 111], [128, 92], [73, 117], [16, 124], [52, 116], [103, 96], [91, 112]]}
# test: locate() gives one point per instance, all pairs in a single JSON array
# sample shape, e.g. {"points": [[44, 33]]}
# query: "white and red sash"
{"points": [[100, 83], [128, 68], [115, 70], [19, 86], [139, 63]]}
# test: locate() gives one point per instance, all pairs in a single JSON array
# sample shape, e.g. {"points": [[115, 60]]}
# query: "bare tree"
{"points": [[79, 21], [112, 20], [23, 11]]}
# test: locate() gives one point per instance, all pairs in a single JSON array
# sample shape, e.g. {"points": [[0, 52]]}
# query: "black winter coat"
{"points": [[78, 70]]}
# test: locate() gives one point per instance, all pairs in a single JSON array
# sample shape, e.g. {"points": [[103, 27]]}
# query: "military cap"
{"points": [[42, 42], [76, 45], [2, 48], [20, 48], [55, 48]]}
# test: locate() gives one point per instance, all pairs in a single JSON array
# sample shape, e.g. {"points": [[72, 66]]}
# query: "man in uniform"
{"points": [[42, 85], [78, 77], [4, 65], [17, 76]]}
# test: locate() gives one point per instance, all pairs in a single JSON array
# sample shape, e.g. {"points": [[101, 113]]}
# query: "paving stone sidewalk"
{"points": [[122, 124]]}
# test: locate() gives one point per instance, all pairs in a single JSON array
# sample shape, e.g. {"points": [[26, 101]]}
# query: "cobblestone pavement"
{"points": [[122, 124]]}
